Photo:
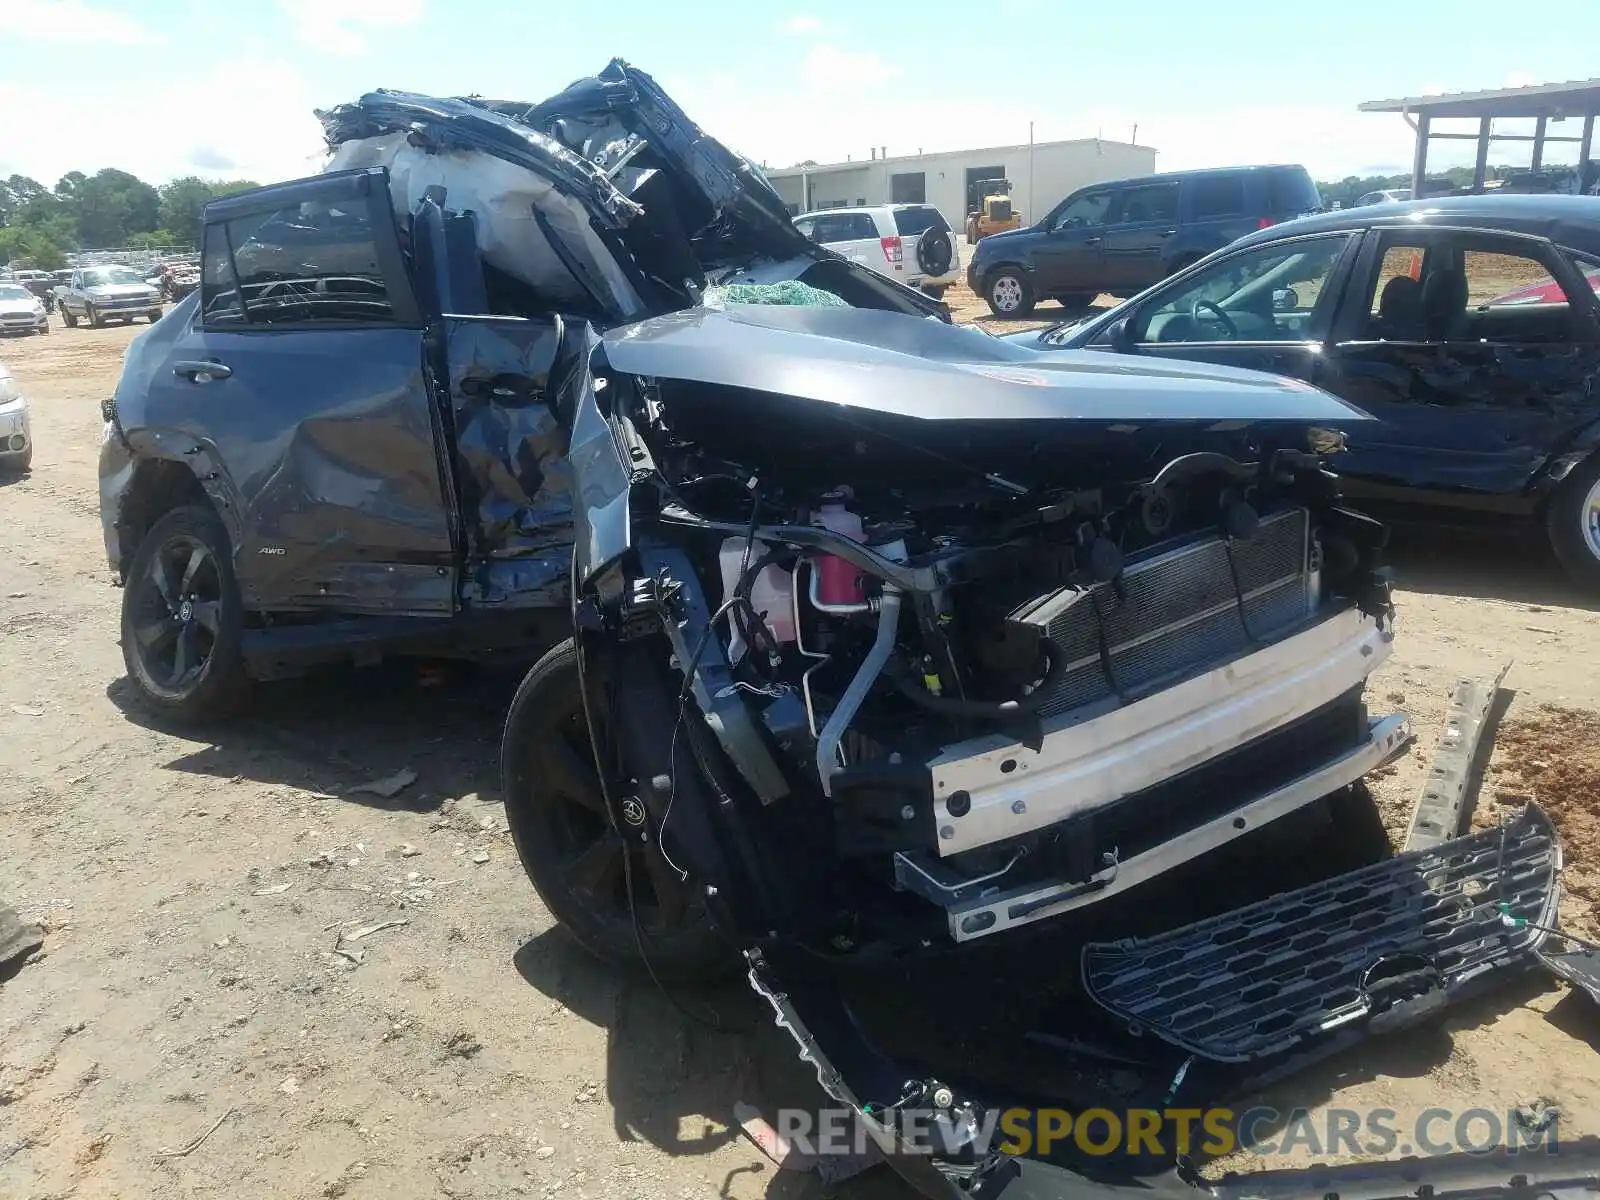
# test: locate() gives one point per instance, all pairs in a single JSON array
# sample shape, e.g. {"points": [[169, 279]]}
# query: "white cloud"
{"points": [[803, 24], [70, 21], [246, 118], [340, 26], [845, 72]]}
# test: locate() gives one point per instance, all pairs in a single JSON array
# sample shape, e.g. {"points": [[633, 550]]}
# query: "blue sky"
{"points": [[172, 87]]}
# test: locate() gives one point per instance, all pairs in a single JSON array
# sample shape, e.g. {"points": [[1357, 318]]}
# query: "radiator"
{"points": [[1178, 610]]}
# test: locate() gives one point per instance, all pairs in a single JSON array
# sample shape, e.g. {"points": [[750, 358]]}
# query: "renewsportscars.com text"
{"points": [[1210, 1132]]}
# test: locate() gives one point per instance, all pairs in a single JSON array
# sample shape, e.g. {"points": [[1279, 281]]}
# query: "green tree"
{"points": [[112, 205], [30, 248], [159, 239], [184, 200], [67, 186]]}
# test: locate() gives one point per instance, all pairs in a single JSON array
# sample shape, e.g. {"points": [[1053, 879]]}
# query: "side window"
{"points": [[1213, 196], [1268, 294], [1589, 268], [309, 262], [826, 230], [1082, 211], [219, 291], [858, 227], [1466, 289], [1398, 262], [1154, 202]]}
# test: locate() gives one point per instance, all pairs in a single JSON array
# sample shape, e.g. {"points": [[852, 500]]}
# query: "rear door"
{"points": [[1218, 207], [1473, 385], [301, 379], [1143, 222]]}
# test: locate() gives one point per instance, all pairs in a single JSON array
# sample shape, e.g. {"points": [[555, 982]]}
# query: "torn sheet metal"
{"points": [[1383, 944], [511, 451]]}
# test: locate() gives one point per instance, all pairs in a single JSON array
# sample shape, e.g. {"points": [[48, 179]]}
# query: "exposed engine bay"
{"points": [[983, 696], [937, 669]]}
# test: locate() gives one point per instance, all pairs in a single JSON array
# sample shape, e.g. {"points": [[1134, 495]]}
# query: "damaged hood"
{"points": [[912, 367]]}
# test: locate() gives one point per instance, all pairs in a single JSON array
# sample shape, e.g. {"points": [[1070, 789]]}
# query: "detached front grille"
{"points": [[1179, 610]]}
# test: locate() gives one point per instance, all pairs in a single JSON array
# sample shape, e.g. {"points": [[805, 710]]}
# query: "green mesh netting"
{"points": [[790, 292]]}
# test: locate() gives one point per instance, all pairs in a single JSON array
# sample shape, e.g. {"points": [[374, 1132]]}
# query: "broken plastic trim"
{"points": [[1385, 944]]}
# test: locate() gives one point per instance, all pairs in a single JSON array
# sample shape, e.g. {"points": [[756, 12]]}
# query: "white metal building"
{"points": [[1040, 175]]}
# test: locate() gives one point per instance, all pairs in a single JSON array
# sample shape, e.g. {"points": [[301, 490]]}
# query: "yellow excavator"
{"points": [[992, 212]]}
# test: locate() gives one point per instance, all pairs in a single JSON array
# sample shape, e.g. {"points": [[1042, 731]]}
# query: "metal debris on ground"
{"points": [[27, 710], [276, 889], [830, 1168], [1441, 810], [389, 786]]}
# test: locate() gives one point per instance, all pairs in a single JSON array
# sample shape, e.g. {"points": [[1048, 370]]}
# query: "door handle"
{"points": [[1094, 241], [202, 371]]}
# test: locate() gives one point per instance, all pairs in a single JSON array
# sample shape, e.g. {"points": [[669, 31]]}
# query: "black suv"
{"points": [[1121, 237], [350, 441]]}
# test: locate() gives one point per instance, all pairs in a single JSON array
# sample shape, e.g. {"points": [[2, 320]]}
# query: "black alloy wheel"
{"points": [[579, 857], [181, 618]]}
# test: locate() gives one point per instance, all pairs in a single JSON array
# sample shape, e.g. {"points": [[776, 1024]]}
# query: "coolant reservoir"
{"points": [[838, 581], [771, 593]]}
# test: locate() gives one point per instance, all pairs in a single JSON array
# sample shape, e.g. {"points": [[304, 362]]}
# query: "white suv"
{"points": [[910, 243]]}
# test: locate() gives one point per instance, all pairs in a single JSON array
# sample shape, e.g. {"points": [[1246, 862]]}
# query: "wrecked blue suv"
{"points": [[349, 442]]}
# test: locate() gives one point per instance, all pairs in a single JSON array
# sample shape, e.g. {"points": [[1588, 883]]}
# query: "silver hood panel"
{"points": [[903, 365]]}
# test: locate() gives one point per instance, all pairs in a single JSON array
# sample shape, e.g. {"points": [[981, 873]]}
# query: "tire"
{"points": [[181, 599], [67, 319], [1009, 293], [1077, 301], [153, 316], [935, 290], [1572, 522], [936, 251], [569, 846], [44, 329], [96, 320]]}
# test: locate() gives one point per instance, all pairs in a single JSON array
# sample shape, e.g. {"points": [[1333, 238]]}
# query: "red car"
{"points": [[1546, 291]]}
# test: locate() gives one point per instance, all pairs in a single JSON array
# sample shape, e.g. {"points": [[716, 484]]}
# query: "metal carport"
{"points": [[1544, 103]]}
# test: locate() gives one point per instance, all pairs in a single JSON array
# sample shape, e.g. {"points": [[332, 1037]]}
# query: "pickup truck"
{"points": [[101, 294]]}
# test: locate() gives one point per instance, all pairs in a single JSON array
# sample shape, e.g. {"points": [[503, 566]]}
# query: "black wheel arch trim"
{"points": [[201, 459]]}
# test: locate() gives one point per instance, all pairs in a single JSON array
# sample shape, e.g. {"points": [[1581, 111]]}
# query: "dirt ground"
{"points": [[358, 997]]}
